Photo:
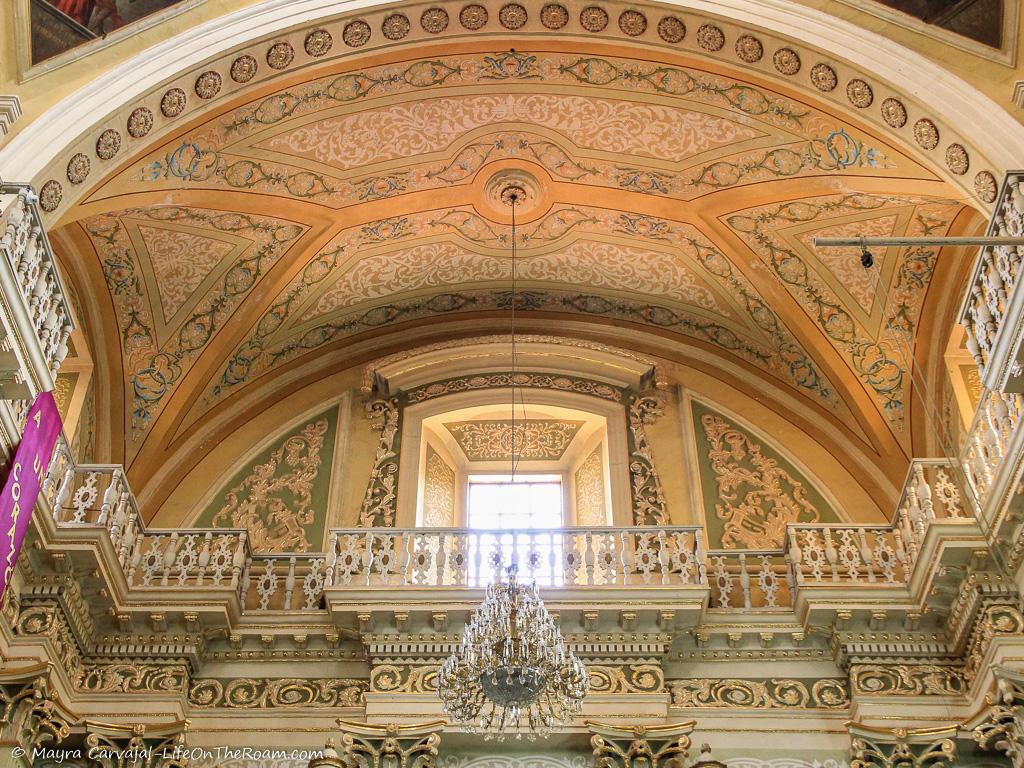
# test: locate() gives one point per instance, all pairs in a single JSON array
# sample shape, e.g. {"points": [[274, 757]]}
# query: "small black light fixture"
{"points": [[867, 260]]}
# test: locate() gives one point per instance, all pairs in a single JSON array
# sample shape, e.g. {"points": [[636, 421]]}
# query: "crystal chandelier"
{"points": [[512, 673]]}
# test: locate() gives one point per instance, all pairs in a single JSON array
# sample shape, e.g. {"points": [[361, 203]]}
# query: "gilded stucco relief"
{"points": [[591, 504], [750, 492], [280, 497], [439, 489]]}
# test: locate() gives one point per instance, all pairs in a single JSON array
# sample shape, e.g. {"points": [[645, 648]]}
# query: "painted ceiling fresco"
{"points": [[671, 198]]}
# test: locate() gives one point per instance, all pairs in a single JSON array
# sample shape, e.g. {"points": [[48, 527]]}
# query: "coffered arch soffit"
{"points": [[309, 192]]}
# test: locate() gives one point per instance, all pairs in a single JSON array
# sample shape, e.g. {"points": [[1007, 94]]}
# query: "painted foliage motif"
{"points": [[754, 492], [281, 496]]}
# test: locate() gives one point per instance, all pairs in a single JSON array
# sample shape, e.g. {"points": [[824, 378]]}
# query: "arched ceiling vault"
{"points": [[283, 212]]}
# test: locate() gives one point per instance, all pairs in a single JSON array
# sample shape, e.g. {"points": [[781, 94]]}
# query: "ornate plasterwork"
{"points": [[626, 678], [736, 319], [727, 134], [45, 619], [775, 693], [755, 494], [133, 677], [520, 380], [381, 498], [276, 693], [649, 505], [902, 748], [155, 357], [370, 372], [534, 439], [439, 489], [273, 498], [589, 482], [907, 680], [30, 713], [404, 678]]}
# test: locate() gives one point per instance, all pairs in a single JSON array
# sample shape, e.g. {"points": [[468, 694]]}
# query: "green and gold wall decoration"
{"points": [[280, 496], [749, 491]]}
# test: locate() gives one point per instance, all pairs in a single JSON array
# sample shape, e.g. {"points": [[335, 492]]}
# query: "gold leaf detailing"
{"points": [[626, 678], [649, 506], [404, 678], [381, 499], [759, 498], [274, 501], [276, 693], [133, 678], [775, 693], [907, 680]]}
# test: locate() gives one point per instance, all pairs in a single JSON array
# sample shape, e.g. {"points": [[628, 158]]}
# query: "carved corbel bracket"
{"points": [[999, 727], [653, 746], [383, 746], [902, 747], [30, 712]]}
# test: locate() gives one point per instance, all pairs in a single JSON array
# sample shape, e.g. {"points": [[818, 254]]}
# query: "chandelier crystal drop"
{"points": [[512, 673]]}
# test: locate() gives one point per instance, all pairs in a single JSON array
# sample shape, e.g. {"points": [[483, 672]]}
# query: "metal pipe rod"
{"points": [[872, 242]]}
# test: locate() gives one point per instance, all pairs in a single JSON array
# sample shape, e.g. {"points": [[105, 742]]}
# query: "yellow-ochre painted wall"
{"points": [[670, 437]]}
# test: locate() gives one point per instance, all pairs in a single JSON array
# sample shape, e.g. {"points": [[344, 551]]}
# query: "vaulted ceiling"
{"points": [[290, 216]]}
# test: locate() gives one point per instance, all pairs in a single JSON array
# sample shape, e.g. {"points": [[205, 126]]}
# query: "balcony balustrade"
{"points": [[38, 317], [97, 498], [993, 310]]}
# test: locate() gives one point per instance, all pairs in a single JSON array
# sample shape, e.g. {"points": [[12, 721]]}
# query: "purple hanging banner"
{"points": [[21, 489]]}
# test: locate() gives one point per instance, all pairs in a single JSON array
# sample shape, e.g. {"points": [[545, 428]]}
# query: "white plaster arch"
{"points": [[995, 132]]}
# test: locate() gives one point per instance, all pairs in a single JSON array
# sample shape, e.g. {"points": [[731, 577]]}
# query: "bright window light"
{"points": [[529, 503]]}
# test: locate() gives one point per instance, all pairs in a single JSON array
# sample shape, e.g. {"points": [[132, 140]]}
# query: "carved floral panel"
{"points": [[280, 496], [750, 492]]}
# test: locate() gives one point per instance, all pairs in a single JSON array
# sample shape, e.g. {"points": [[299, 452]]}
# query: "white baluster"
{"points": [[289, 584], [745, 581], [239, 561], [204, 558]]}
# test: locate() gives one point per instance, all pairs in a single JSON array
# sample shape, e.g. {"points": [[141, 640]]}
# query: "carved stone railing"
{"points": [[40, 322], [284, 582], [993, 310], [878, 554], [560, 557]]}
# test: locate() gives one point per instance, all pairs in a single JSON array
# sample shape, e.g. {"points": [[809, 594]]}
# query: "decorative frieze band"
{"points": [[774, 693], [277, 693]]}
